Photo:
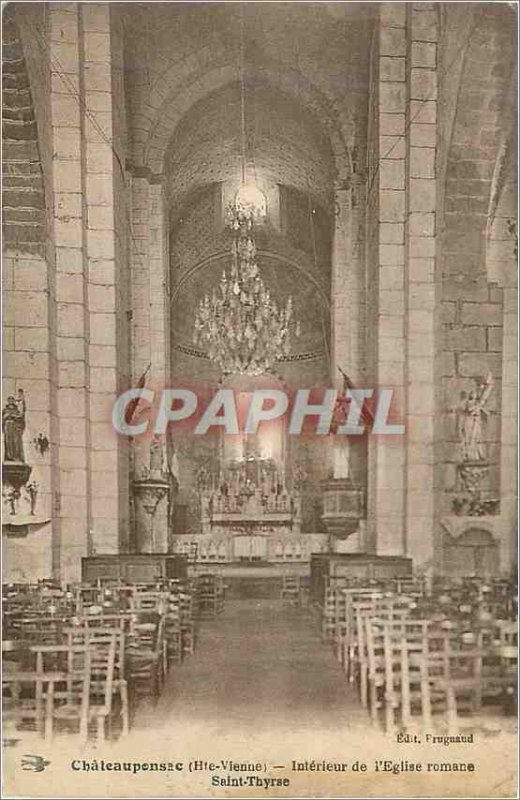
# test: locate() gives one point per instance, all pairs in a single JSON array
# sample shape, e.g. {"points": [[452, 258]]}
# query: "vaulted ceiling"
{"points": [[306, 67], [284, 142]]}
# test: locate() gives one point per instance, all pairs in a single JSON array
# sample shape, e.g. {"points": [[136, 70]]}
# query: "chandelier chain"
{"points": [[242, 329]]}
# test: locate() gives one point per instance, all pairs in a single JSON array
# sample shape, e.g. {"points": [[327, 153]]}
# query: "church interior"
{"points": [[259, 197]]}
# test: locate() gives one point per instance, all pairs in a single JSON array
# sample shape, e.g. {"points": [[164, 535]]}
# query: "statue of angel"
{"points": [[472, 411]]}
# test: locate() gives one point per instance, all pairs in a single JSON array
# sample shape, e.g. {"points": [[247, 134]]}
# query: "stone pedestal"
{"points": [[151, 506], [472, 500], [15, 475]]}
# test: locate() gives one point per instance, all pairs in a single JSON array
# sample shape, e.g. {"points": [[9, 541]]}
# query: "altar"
{"points": [[250, 514]]}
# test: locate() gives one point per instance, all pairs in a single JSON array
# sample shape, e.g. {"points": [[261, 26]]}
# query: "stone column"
{"points": [[348, 291], [159, 282], [347, 311], [103, 194], [71, 505], [140, 289], [150, 328], [421, 289], [89, 214], [386, 502], [501, 263], [508, 438]]}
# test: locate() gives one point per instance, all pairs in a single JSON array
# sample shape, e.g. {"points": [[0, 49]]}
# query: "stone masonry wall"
{"points": [[28, 291], [65, 303], [472, 302]]}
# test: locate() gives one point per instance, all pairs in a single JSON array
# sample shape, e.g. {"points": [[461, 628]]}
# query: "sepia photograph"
{"points": [[259, 399]]}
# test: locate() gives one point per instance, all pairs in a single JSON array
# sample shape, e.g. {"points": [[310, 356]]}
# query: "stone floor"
{"points": [[262, 687], [260, 665]]}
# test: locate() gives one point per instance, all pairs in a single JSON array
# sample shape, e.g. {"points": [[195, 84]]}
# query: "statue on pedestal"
{"points": [[151, 488], [13, 427], [472, 411], [473, 466]]}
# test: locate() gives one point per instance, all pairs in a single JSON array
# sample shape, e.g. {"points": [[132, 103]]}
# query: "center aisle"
{"points": [[260, 665]]}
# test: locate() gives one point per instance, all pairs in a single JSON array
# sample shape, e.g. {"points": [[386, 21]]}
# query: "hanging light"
{"points": [[241, 327], [250, 199]]}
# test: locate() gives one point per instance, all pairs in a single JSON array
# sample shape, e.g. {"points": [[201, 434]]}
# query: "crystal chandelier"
{"points": [[241, 327]]}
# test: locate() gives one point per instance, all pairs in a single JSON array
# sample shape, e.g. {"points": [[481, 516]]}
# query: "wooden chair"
{"points": [[146, 653], [153, 601], [210, 594], [371, 665], [352, 644], [61, 682], [108, 680], [173, 631], [291, 589], [328, 624], [406, 687], [187, 622]]}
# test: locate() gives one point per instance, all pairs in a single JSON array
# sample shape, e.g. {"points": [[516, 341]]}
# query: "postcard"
{"points": [[259, 413]]}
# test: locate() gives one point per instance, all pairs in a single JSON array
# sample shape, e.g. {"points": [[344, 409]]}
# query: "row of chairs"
{"points": [[415, 653], [67, 686], [80, 657], [210, 593]]}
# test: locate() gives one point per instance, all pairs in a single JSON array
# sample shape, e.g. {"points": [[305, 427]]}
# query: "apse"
{"points": [[288, 172], [284, 143], [290, 164]]}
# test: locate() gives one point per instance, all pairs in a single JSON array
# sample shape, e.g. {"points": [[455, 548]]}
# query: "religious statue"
{"points": [[13, 426], [472, 410]]}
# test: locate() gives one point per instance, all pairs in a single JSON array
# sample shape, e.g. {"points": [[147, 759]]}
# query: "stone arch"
{"points": [[24, 219], [150, 152], [286, 144], [475, 137], [474, 553], [476, 536]]}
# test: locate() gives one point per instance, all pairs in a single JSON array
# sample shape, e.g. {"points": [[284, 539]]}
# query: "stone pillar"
{"points": [[159, 282], [109, 483], [140, 292], [421, 292], [341, 328], [150, 281], [347, 310], [348, 290], [386, 502], [89, 215], [508, 437], [71, 505], [501, 264], [150, 326]]}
